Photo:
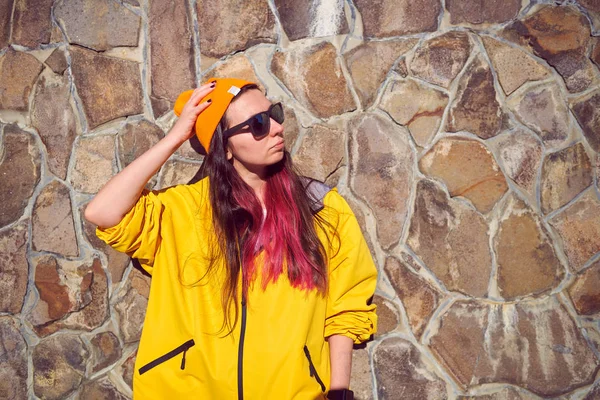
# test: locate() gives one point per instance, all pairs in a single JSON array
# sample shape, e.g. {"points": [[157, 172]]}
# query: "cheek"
{"points": [[245, 148]]}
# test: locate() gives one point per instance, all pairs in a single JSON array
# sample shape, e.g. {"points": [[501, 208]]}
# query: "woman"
{"points": [[261, 279]]}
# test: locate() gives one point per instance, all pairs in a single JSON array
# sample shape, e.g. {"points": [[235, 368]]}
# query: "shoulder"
{"points": [[193, 194]]}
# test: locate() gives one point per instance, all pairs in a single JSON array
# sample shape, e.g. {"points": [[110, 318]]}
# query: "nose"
{"points": [[276, 128]]}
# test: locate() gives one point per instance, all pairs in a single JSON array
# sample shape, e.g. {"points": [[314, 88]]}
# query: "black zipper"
{"points": [[241, 352], [181, 349], [313, 370]]}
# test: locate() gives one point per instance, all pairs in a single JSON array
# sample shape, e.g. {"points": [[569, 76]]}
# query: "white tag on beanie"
{"points": [[234, 90]]}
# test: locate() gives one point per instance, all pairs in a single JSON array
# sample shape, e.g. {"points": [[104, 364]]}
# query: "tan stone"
{"points": [[58, 366], [534, 344], [513, 66], [579, 228], [384, 18], [468, 169], [14, 269], [451, 239], [507, 393], [440, 59], [381, 161], [13, 364], [322, 154], [482, 12], [585, 290], [95, 163], [387, 316], [109, 88], [520, 153], [191, 149], [587, 112], [476, 108], [227, 27], [560, 35], [57, 61], [527, 262], [543, 109], [172, 62], [237, 66], [302, 18], [52, 221], [54, 119], [291, 126], [419, 297], [117, 261], [20, 171], [98, 24], [401, 373], [315, 78], [140, 281], [362, 221], [128, 369], [370, 63], [105, 350], [565, 174], [177, 172], [54, 302], [31, 22], [362, 383], [101, 388], [18, 73], [418, 107]]}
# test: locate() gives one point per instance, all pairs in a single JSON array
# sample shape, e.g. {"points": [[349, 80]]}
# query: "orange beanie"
{"points": [[225, 90]]}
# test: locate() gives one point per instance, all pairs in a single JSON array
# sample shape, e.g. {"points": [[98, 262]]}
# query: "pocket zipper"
{"points": [[181, 349], [313, 370]]}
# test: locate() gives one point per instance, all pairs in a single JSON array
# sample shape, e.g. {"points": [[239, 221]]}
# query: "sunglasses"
{"points": [[260, 123]]}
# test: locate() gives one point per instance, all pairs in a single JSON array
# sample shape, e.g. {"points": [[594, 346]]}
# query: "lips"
{"points": [[278, 145]]}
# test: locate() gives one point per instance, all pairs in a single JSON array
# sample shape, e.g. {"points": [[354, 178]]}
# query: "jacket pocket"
{"points": [[181, 349], [313, 370]]}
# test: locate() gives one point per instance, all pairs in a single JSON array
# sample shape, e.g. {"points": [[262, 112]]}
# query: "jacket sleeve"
{"points": [[138, 232], [352, 278]]}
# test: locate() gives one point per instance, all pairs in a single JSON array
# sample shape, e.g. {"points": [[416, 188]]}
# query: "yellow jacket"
{"points": [[283, 353]]}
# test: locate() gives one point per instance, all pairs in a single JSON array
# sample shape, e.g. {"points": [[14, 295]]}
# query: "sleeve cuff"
{"points": [[357, 325]]}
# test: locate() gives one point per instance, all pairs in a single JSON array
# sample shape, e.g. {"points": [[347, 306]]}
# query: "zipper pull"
{"points": [[183, 359]]}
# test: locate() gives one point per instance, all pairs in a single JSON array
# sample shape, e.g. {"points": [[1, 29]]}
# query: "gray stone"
{"points": [[176, 172], [100, 389], [54, 119], [476, 108], [482, 12], [451, 239], [20, 172], [381, 165], [109, 88], [385, 18], [6, 7], [230, 26], [401, 373], [57, 61], [362, 383], [131, 310], [565, 174], [18, 73], [134, 139], [302, 18], [98, 24], [58, 366], [585, 291], [14, 269], [105, 350], [52, 221], [13, 360], [171, 53], [587, 112]]}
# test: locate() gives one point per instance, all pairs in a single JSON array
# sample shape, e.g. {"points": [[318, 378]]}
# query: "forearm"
{"points": [[121, 192], [340, 350]]}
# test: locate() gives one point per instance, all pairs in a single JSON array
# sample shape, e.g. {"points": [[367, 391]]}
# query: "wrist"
{"points": [[340, 394]]}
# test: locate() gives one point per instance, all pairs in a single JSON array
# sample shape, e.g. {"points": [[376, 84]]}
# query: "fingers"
{"points": [[200, 93]]}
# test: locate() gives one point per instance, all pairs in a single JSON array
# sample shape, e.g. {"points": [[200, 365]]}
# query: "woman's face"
{"points": [[252, 154]]}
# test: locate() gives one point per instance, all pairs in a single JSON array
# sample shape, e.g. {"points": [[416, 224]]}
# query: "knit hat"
{"points": [[223, 93]]}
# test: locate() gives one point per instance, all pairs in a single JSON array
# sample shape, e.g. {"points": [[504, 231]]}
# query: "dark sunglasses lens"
{"points": [[277, 113], [260, 124]]}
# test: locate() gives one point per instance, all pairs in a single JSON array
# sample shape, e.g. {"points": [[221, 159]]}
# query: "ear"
{"points": [[229, 154]]}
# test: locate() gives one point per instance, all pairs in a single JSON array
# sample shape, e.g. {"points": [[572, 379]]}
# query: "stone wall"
{"points": [[465, 135]]}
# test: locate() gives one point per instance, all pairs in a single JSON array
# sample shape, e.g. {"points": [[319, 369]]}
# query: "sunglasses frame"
{"points": [[233, 130]]}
